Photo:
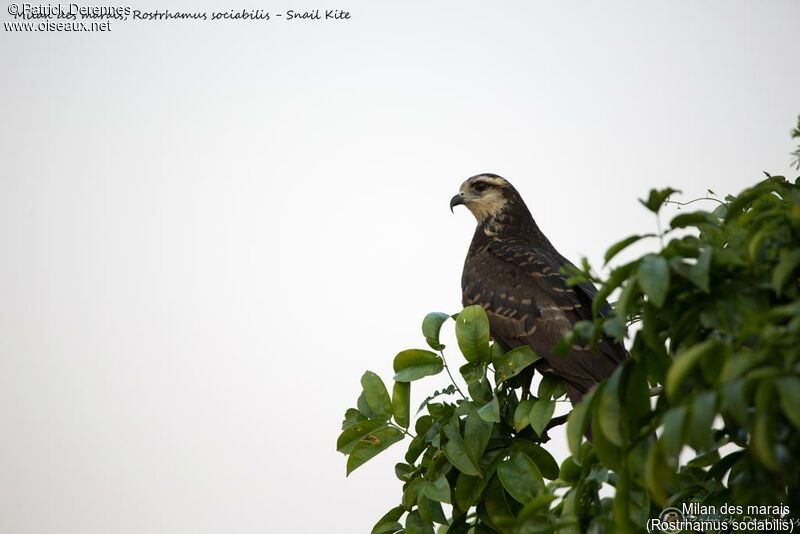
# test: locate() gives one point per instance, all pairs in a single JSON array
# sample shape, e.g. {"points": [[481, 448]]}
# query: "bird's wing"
{"points": [[529, 302]]}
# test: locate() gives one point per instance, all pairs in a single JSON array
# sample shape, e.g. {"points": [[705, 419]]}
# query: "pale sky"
{"points": [[208, 231]]}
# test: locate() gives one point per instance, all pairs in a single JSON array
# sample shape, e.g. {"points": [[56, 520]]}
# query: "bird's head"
{"points": [[486, 196]]}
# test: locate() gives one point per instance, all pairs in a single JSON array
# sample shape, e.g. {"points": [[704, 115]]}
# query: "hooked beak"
{"points": [[456, 201]]}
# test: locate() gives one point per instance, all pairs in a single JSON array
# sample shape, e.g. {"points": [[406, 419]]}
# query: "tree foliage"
{"points": [[713, 319], [795, 133]]}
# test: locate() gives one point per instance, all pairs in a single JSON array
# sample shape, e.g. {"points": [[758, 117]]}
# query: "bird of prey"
{"points": [[514, 272]]}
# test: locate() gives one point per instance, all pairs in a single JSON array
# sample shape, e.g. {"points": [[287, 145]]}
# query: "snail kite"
{"points": [[514, 272]]}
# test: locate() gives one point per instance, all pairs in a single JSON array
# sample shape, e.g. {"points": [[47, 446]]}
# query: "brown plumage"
{"points": [[514, 272]]}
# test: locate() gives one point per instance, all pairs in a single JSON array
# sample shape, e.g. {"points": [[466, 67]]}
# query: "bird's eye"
{"points": [[480, 187]]}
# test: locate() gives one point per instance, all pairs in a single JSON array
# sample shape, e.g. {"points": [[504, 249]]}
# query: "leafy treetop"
{"points": [[717, 314]]}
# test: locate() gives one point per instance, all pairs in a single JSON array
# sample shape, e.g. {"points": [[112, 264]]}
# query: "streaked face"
{"points": [[484, 195]]}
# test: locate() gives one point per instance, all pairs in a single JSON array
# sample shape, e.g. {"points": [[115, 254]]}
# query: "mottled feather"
{"points": [[514, 273]]}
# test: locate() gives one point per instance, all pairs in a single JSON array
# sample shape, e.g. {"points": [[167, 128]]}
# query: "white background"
{"points": [[208, 231]]}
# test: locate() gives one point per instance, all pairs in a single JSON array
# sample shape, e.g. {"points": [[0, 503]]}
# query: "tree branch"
{"points": [[557, 421]]}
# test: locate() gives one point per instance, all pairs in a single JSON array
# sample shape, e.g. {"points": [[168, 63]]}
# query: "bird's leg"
{"points": [[527, 379]]}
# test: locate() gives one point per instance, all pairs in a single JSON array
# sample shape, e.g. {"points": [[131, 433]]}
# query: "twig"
{"points": [[446, 368], [401, 429], [660, 233], [556, 421], [693, 201], [561, 419]]}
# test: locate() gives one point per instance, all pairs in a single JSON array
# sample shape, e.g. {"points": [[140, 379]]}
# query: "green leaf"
{"points": [[514, 361], [615, 279], [544, 461], [415, 524], [356, 432], [439, 490], [657, 473], [790, 260], [624, 508], [705, 459], [615, 327], [432, 326], [497, 353], [377, 397], [578, 420], [401, 403], [480, 391], [363, 406], [739, 204], [372, 445], [468, 490], [521, 478], [789, 394], [684, 362], [403, 471], [499, 514], [541, 413], [449, 390], [609, 454], [431, 510], [598, 473], [672, 436], [763, 431], [472, 372], [653, 278], [733, 403], [619, 246], [634, 396], [425, 429], [609, 409], [490, 411], [411, 492], [570, 470], [537, 506], [472, 333], [550, 387], [757, 240], [414, 364], [738, 364], [388, 524], [698, 273], [522, 414], [701, 417], [656, 198], [568, 519], [456, 450], [692, 218], [584, 331], [441, 411], [477, 432], [719, 469], [351, 417], [387, 528]]}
